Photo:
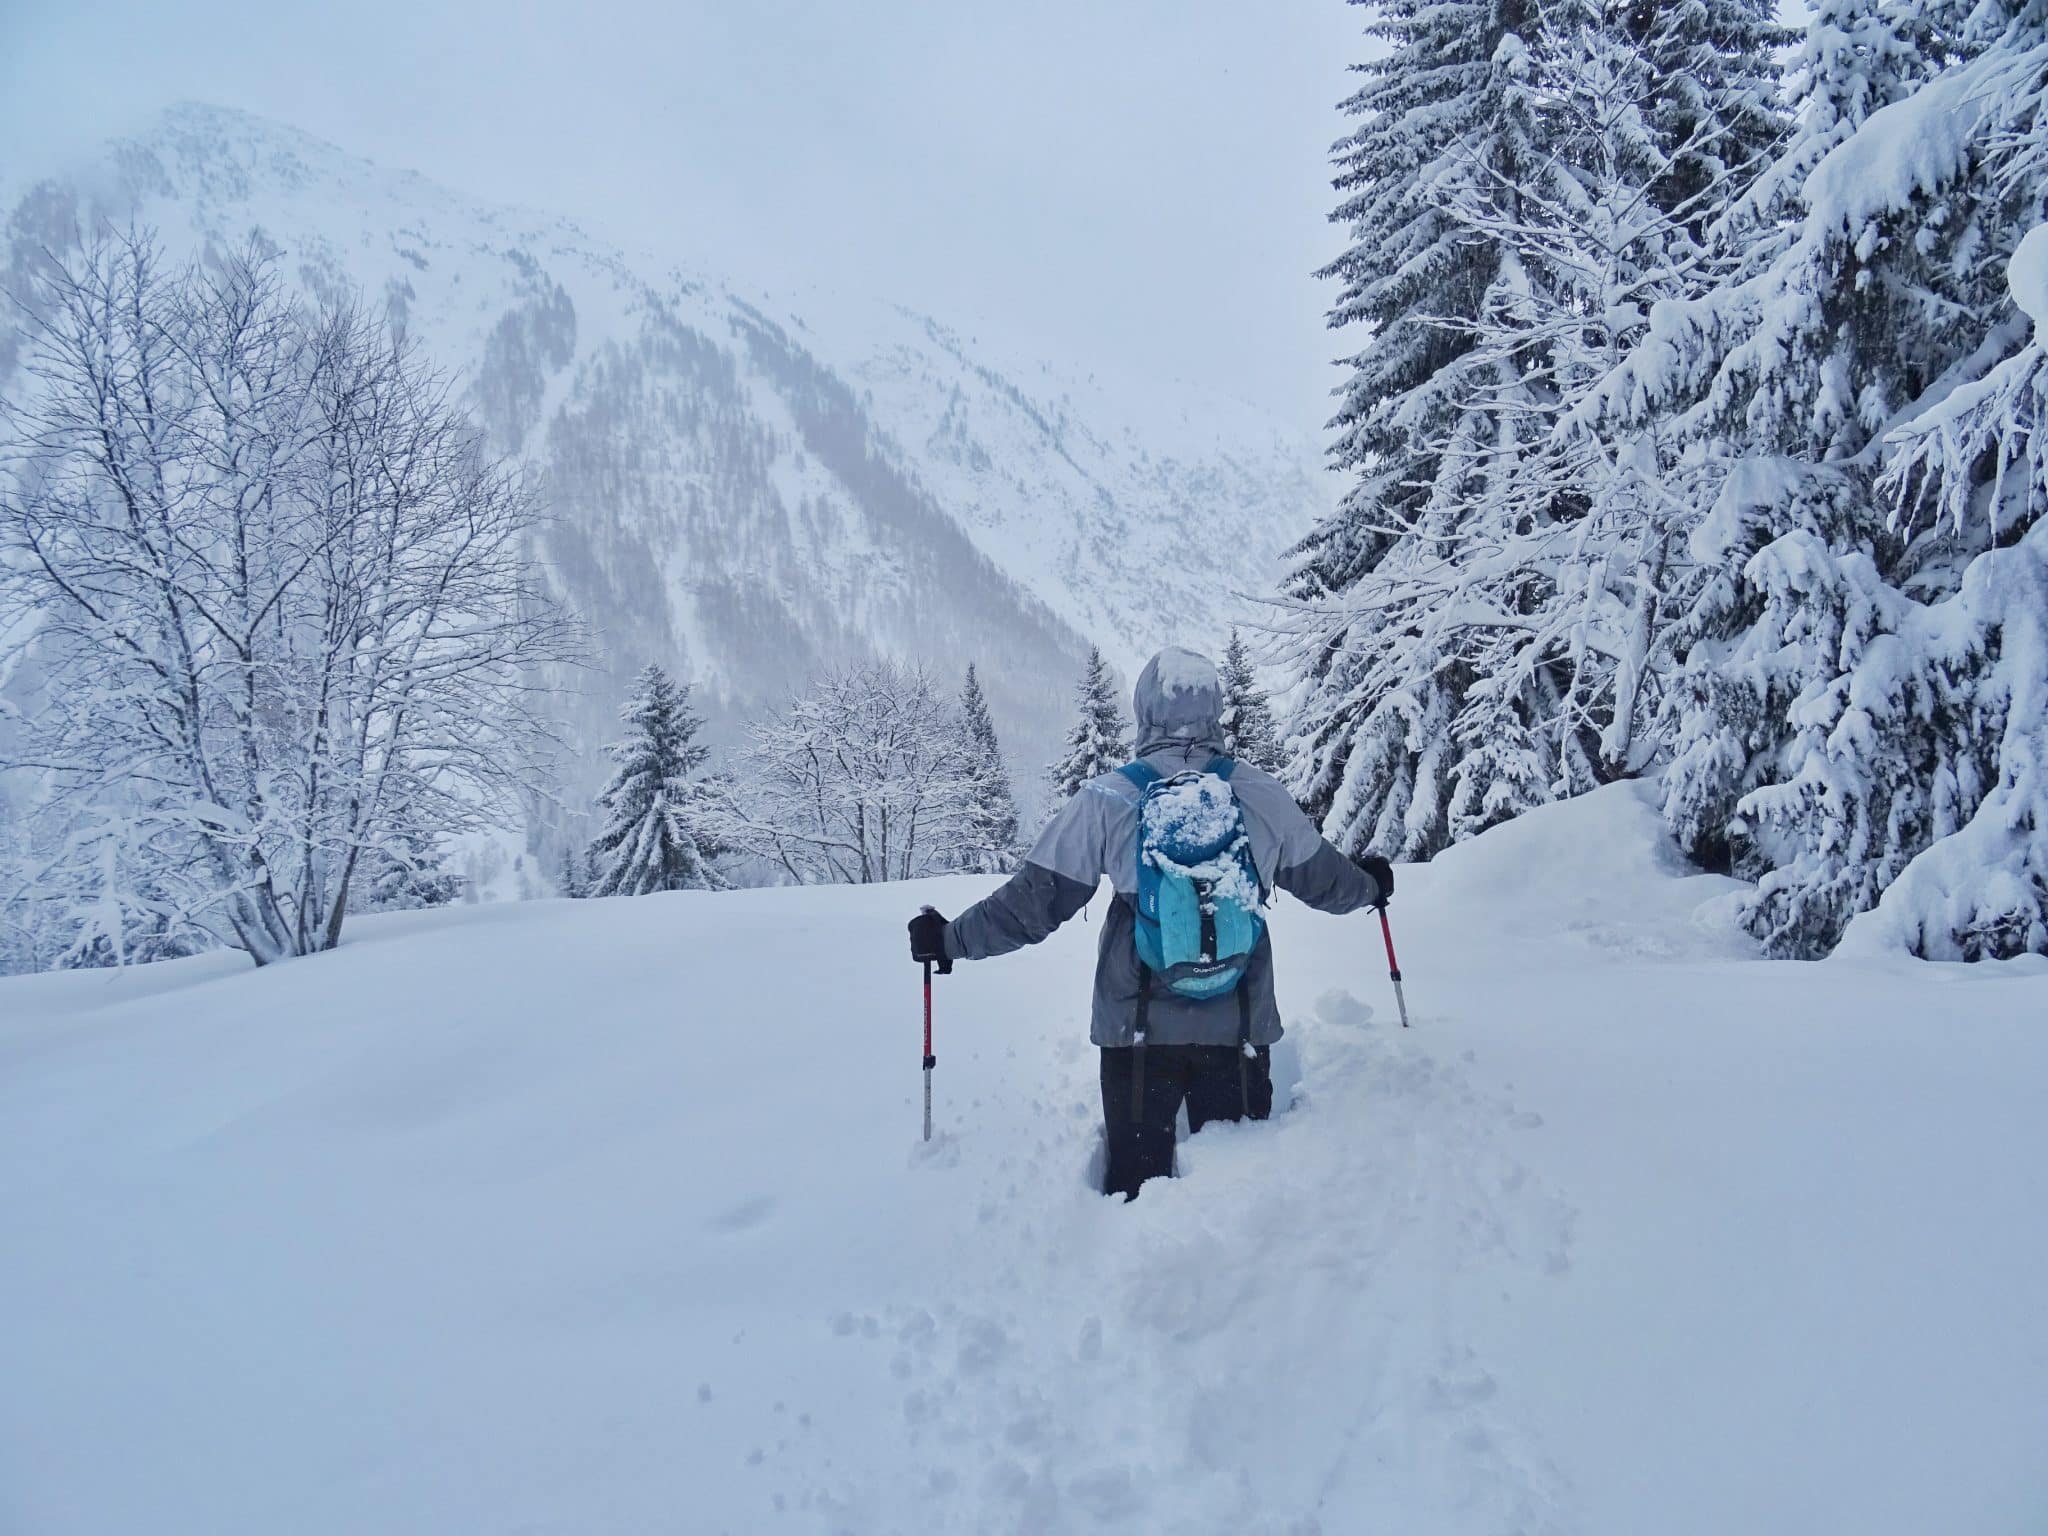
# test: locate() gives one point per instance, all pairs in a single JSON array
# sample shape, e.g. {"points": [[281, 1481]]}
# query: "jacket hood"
{"points": [[1178, 703]]}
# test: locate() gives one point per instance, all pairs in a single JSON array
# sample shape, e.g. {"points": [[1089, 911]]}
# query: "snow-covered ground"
{"points": [[612, 1217]]}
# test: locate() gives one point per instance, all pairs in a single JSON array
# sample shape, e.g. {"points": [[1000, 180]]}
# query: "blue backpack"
{"points": [[1199, 897]]}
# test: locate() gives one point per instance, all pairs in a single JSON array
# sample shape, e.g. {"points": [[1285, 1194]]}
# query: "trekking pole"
{"points": [[930, 1060], [1393, 970]]}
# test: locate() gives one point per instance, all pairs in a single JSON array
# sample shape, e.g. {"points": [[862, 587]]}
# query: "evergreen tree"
{"points": [[406, 872], [1780, 376], [654, 837], [1909, 774], [1099, 743], [1695, 443], [1445, 111], [1659, 118], [1249, 733], [1479, 624], [989, 843], [574, 881], [1850, 422], [1845, 727]]}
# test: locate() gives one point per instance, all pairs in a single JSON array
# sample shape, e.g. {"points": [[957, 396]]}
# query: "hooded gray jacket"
{"points": [[1178, 704]]}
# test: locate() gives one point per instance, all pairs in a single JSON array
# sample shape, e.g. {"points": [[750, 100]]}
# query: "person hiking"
{"points": [[1183, 1007]]}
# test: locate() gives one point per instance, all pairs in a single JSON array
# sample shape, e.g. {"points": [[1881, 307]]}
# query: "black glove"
{"points": [[928, 940], [1382, 875]]}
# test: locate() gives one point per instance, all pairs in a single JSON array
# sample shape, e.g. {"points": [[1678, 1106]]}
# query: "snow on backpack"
{"points": [[1199, 897]]}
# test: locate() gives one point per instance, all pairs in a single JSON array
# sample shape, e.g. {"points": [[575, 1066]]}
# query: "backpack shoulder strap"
{"points": [[1222, 766], [1141, 773]]}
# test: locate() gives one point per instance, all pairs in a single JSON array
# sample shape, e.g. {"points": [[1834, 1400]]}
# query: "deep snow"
{"points": [[612, 1216]]}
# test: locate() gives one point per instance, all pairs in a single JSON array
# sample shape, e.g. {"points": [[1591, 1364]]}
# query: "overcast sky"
{"points": [[1136, 182]]}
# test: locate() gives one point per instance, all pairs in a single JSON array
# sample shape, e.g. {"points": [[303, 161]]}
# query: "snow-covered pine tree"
{"points": [[989, 841], [1444, 112], [1100, 741], [1771, 386], [407, 872], [574, 879], [1477, 622], [1842, 708], [1980, 887], [1663, 117], [654, 838], [1249, 731], [1960, 683]]}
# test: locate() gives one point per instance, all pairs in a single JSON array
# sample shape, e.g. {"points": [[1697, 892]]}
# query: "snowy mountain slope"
{"points": [[604, 1216], [745, 492], [1156, 482]]}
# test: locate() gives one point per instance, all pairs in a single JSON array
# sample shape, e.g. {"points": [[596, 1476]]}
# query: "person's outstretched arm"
{"points": [[1330, 882], [1055, 881], [1309, 866], [1022, 910]]}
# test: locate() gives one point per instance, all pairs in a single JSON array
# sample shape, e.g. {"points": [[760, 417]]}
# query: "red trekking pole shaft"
{"points": [[930, 1060], [1393, 970]]}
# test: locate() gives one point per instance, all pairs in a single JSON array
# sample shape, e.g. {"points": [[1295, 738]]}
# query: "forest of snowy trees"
{"points": [[1690, 436], [1693, 437]]}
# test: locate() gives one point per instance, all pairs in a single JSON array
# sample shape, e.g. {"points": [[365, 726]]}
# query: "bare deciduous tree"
{"points": [[279, 589], [865, 777]]}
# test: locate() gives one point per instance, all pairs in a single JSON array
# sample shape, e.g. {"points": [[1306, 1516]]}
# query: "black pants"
{"points": [[1139, 1136]]}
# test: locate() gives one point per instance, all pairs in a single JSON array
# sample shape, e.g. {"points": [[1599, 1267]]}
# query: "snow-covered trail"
{"points": [[1244, 1350], [612, 1216]]}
